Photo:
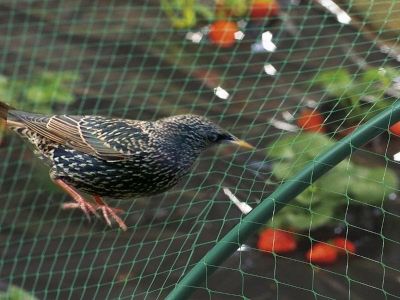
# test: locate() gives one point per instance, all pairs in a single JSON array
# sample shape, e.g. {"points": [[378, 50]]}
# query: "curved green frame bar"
{"points": [[283, 195]]}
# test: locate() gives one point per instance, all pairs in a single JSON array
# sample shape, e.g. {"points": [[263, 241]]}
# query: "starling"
{"points": [[116, 158]]}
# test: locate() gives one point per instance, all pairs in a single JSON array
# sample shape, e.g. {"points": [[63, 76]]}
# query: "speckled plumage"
{"points": [[117, 158]]}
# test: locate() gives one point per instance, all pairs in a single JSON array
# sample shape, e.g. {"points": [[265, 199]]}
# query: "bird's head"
{"points": [[198, 133]]}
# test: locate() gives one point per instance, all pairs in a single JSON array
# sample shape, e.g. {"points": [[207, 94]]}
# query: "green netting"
{"points": [[151, 59]]}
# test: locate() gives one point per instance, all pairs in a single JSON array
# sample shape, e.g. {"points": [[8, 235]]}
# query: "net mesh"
{"points": [[151, 59]]}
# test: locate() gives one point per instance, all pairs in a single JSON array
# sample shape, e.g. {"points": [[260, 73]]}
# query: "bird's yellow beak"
{"points": [[242, 144]]}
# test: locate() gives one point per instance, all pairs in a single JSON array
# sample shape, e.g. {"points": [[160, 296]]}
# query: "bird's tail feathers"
{"points": [[4, 108]]}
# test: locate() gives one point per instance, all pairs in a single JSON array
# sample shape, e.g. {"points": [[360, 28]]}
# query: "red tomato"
{"points": [[311, 120], [322, 254], [345, 246], [264, 9], [395, 129], [276, 241], [222, 33]]}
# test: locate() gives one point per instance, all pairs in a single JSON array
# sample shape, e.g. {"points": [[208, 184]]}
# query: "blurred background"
{"points": [[291, 77]]}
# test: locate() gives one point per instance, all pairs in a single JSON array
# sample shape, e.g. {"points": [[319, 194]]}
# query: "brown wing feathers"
{"points": [[62, 129], [80, 135], [69, 129]]}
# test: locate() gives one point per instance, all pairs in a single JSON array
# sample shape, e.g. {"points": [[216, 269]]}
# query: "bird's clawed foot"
{"points": [[110, 211], [88, 207]]}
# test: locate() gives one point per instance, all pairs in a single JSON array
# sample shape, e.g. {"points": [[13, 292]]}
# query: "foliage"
{"points": [[187, 13], [14, 292], [347, 184], [39, 92], [359, 96]]}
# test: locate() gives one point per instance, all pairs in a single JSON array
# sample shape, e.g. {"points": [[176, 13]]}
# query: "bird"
{"points": [[115, 158]]}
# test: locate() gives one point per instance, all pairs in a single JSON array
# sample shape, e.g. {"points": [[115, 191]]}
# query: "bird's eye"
{"points": [[213, 137]]}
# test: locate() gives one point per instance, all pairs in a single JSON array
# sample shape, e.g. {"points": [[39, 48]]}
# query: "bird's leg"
{"points": [[110, 211], [88, 207], [81, 201]]}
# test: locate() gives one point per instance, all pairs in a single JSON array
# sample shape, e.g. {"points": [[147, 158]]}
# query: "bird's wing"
{"points": [[19, 120], [98, 136], [82, 133]]}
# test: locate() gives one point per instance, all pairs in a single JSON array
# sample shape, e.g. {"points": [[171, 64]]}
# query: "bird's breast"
{"points": [[139, 176]]}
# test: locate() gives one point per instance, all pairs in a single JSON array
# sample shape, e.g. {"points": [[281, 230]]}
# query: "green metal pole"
{"points": [[283, 195]]}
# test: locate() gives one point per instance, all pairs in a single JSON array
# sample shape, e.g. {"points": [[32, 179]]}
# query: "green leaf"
{"points": [[335, 181], [37, 94], [282, 148], [16, 293], [305, 198], [371, 185], [370, 85], [310, 144], [4, 82], [336, 82], [62, 95], [380, 78], [303, 218], [283, 170], [300, 149]]}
